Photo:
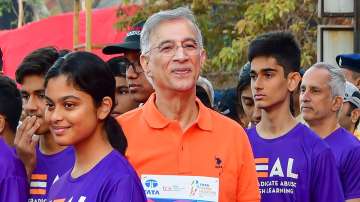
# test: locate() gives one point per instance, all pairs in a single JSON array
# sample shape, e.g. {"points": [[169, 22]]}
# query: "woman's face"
{"points": [[248, 104], [70, 113]]}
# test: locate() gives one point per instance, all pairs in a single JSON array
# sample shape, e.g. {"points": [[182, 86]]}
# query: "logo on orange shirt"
{"points": [[218, 162]]}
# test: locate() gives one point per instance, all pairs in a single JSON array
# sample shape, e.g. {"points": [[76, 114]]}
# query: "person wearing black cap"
{"points": [[350, 111], [124, 101], [350, 64], [139, 86]]}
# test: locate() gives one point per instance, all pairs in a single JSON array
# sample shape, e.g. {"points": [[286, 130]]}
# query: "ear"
{"points": [[337, 103], [203, 57], [354, 116], [144, 61], [293, 80], [2, 124], [105, 108]]}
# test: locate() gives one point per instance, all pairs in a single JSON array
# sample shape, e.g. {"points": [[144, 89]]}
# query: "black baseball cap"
{"points": [[131, 42]]}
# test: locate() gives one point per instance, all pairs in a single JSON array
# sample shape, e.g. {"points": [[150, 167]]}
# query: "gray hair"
{"points": [[153, 21], [337, 79]]}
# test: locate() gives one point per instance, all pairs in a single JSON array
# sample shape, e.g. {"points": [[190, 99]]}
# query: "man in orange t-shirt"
{"points": [[181, 149]]}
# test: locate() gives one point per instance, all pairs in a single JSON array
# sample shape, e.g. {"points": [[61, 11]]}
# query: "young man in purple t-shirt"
{"points": [[13, 181], [292, 163], [45, 161], [322, 91]]}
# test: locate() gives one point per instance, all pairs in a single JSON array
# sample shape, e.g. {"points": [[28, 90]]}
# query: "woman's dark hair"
{"points": [[92, 75], [244, 81]]}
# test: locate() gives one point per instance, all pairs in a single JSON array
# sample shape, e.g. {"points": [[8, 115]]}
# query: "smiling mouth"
{"points": [[181, 71], [59, 130]]}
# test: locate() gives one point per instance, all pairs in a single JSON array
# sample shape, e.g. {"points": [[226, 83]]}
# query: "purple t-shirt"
{"points": [[13, 180], [298, 166], [346, 149], [49, 168], [112, 180]]}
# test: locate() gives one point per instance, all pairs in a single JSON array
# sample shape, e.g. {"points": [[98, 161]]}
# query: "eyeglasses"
{"points": [[169, 48], [134, 65]]}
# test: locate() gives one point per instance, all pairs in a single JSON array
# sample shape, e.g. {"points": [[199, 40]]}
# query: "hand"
{"points": [[25, 144]]}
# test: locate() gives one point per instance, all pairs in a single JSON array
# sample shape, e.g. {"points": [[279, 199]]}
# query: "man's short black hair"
{"points": [[10, 102], [38, 62], [118, 66], [280, 45]]}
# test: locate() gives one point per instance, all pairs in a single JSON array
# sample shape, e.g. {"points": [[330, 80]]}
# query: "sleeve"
{"points": [[325, 185], [126, 189], [14, 189], [248, 185], [350, 174]]}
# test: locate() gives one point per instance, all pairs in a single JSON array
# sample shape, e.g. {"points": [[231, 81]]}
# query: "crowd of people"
{"points": [[145, 126]]}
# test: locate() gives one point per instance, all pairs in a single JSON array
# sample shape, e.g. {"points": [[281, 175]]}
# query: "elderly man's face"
{"points": [[175, 58], [315, 95]]}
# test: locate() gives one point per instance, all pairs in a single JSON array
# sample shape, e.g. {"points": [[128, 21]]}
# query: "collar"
{"points": [[155, 119]]}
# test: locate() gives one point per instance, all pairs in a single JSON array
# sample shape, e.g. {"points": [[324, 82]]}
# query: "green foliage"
{"points": [[229, 26]]}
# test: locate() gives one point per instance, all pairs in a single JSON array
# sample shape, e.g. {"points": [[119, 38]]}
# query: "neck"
{"points": [[90, 152], [276, 121], [47, 144], [324, 127], [178, 106]]}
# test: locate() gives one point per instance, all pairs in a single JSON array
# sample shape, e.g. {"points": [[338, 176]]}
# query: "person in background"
{"points": [[79, 101], [227, 104], [321, 95], [13, 180], [10, 109], [350, 111], [203, 96], [123, 100], [45, 161], [292, 162], [248, 114], [208, 87], [187, 144], [350, 66], [139, 86]]}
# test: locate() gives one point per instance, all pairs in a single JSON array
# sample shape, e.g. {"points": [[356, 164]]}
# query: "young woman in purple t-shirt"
{"points": [[80, 90]]}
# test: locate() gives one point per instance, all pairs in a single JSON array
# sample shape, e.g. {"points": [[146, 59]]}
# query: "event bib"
{"points": [[170, 188]]}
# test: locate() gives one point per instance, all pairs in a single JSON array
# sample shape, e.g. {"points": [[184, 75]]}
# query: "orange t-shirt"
{"points": [[214, 146]]}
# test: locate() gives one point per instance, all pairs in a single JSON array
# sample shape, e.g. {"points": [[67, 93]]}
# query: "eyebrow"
{"points": [[36, 91], [63, 98], [266, 69], [171, 41]]}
